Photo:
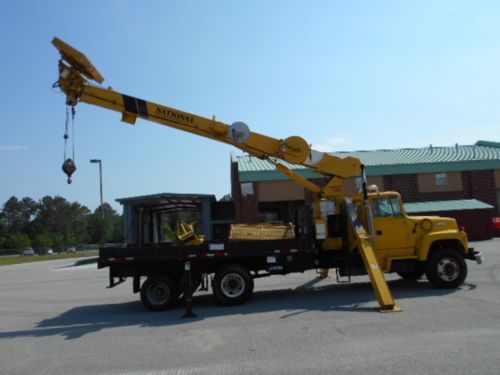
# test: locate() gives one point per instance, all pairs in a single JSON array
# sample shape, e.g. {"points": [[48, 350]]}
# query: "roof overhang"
{"points": [[168, 202]]}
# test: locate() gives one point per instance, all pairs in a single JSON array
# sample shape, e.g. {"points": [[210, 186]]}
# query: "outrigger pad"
{"points": [[390, 309]]}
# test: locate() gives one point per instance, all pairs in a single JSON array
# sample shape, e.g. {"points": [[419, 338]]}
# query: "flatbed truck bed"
{"points": [[238, 261]]}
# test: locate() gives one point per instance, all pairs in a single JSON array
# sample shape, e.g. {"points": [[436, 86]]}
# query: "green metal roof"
{"points": [[480, 156], [255, 169], [456, 205]]}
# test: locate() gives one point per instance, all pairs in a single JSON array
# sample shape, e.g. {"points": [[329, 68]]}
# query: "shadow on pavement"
{"points": [[354, 297]]}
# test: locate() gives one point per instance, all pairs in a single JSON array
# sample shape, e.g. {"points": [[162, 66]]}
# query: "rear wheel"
{"points": [[158, 293], [446, 268], [232, 285]]}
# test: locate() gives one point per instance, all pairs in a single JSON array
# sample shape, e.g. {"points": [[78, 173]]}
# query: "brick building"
{"points": [[431, 174]]}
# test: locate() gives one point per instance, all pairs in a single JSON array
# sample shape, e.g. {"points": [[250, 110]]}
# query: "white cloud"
{"points": [[12, 148], [330, 144]]}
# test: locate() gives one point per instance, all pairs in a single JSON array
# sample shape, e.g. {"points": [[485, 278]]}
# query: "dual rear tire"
{"points": [[159, 292], [232, 285]]}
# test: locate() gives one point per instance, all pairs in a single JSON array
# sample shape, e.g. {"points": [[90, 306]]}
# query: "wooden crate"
{"points": [[261, 232]]}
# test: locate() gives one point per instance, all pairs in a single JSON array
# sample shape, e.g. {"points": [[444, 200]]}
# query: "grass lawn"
{"points": [[16, 259]]}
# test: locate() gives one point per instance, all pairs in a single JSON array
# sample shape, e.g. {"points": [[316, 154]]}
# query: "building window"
{"points": [[441, 179], [246, 189], [439, 182]]}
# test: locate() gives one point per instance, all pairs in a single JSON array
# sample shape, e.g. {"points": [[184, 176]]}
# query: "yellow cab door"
{"points": [[394, 235]]}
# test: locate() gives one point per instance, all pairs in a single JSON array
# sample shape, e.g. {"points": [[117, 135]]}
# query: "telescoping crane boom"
{"points": [[76, 74]]}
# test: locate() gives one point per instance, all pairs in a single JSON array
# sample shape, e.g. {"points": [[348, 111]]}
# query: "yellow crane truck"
{"points": [[329, 233]]}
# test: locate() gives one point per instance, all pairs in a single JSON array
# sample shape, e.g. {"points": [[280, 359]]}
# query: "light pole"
{"points": [[99, 161]]}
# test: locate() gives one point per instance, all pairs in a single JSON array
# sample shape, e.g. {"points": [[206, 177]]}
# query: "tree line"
{"points": [[56, 222]]}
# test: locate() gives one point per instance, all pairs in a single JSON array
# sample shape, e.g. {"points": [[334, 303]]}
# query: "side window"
{"points": [[386, 207], [396, 207]]}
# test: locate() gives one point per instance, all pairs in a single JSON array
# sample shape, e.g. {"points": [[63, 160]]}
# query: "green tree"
{"points": [[53, 221], [42, 242], [18, 215], [113, 225], [18, 241], [4, 230], [66, 223], [79, 216]]}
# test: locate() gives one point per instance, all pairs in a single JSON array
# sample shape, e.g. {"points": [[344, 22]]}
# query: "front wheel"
{"points": [[446, 268], [158, 293], [232, 285]]}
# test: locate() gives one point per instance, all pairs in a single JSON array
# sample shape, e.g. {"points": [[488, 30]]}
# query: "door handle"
{"points": [[378, 233]]}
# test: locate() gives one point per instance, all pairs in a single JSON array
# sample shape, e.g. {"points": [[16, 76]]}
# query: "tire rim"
{"points": [[448, 269], [158, 293], [232, 285]]}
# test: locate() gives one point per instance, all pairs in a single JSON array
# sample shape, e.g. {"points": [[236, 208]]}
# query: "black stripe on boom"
{"points": [[134, 105], [130, 104], [143, 108]]}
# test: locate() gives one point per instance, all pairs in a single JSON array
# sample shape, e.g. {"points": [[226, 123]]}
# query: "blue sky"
{"points": [[344, 75]]}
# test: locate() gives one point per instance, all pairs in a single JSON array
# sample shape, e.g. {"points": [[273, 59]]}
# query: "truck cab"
{"points": [[397, 232], [408, 245]]}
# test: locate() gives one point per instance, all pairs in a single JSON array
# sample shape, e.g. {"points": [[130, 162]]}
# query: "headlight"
{"points": [[426, 225]]}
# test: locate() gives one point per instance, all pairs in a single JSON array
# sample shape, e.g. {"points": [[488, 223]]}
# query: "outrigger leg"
{"points": [[380, 287]]}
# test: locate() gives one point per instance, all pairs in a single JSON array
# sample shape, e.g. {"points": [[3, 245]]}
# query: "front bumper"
{"points": [[474, 255]]}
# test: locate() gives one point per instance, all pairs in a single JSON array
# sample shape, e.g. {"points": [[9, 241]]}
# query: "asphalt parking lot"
{"points": [[59, 319]]}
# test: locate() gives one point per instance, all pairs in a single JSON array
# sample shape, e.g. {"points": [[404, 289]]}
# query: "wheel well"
{"points": [[251, 265], [447, 244], [232, 264]]}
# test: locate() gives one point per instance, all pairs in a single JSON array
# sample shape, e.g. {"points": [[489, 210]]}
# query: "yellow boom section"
{"points": [[75, 72]]}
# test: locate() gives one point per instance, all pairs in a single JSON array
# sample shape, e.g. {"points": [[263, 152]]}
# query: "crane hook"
{"points": [[69, 167]]}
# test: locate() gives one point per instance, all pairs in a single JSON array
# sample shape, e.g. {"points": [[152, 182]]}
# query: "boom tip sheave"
{"points": [[77, 60]]}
